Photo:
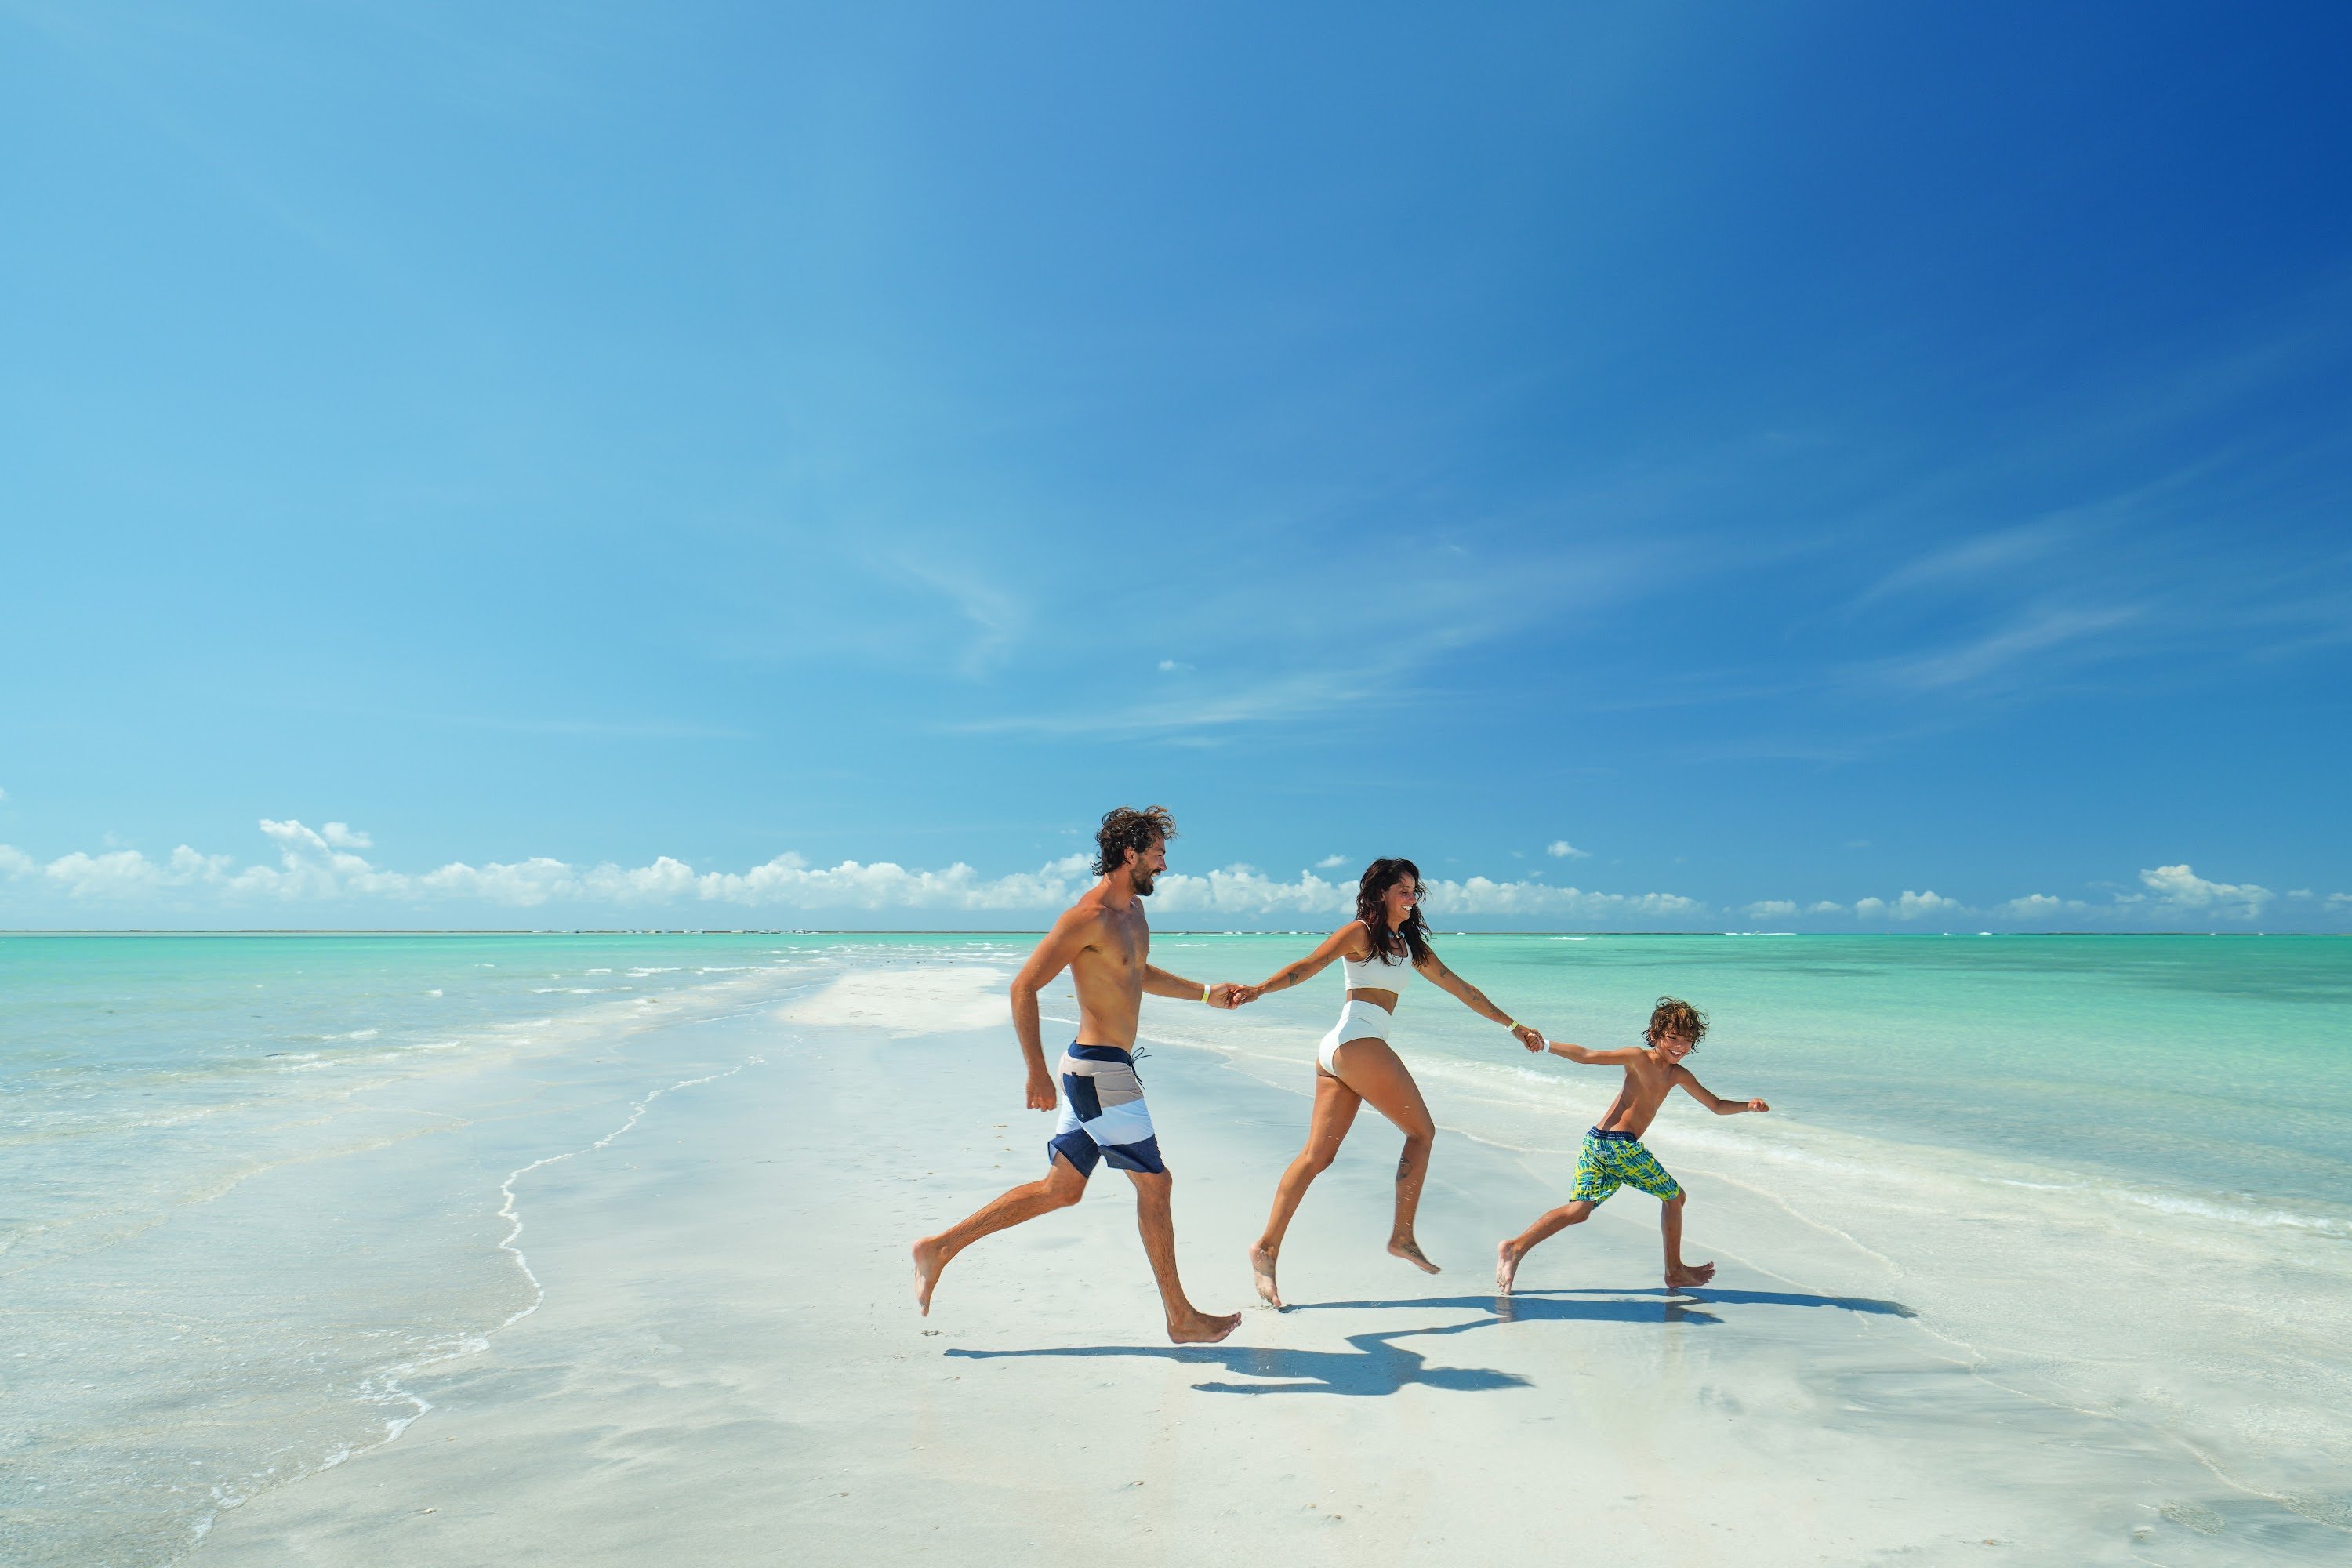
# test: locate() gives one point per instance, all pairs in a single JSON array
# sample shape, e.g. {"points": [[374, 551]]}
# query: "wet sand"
{"points": [[728, 1366]]}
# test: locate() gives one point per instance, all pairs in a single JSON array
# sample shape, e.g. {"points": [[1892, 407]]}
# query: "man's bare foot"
{"points": [[1201, 1328], [1507, 1267], [1685, 1277], [928, 1264], [1262, 1265], [1409, 1251]]}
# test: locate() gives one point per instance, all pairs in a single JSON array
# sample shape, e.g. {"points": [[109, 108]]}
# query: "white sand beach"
{"points": [[727, 1367]]}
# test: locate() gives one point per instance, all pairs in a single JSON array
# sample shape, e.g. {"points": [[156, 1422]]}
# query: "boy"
{"points": [[1613, 1155]]}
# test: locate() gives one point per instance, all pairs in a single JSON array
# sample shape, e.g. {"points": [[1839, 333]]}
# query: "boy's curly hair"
{"points": [[1672, 1015], [1125, 828]]}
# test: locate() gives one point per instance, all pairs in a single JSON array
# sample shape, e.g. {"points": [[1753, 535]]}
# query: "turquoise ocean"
{"points": [[248, 1181]]}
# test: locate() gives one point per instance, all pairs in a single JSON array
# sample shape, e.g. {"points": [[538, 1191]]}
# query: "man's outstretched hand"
{"points": [[1529, 1036], [1226, 994]]}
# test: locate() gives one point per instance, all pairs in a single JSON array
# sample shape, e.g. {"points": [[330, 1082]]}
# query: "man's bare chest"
{"points": [[1123, 950]]}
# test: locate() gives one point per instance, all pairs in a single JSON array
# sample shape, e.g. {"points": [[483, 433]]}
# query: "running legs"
{"points": [[1059, 1188]]}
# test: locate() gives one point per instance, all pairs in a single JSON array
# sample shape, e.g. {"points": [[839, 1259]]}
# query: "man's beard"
{"points": [[1141, 882]]}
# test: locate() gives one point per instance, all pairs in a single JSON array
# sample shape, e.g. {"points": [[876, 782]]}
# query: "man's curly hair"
{"points": [[1125, 828], [1672, 1015]]}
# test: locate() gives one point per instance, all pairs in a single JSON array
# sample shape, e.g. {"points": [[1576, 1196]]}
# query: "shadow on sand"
{"points": [[1657, 1304], [1379, 1366]]}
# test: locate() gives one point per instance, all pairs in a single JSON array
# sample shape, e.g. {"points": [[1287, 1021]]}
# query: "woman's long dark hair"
{"points": [[1410, 940]]}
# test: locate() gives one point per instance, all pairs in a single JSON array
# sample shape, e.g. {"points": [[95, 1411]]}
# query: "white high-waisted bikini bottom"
{"points": [[1358, 1021]]}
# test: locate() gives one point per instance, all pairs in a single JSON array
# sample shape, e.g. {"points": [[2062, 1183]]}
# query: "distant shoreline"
{"points": [[1009, 931]]}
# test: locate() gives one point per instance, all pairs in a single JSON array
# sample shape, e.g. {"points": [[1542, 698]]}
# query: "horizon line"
{"points": [[1014, 931]]}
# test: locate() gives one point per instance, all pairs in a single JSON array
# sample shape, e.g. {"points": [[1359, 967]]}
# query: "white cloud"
{"points": [[4, 797], [1770, 909], [1825, 907], [316, 866], [2039, 905], [1330, 862], [127, 873], [1174, 667], [2180, 888], [1561, 849], [2301, 893], [2337, 900], [1908, 906], [1912, 906]]}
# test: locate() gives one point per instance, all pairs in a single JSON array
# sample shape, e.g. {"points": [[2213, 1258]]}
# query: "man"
{"points": [[1615, 1155], [1105, 942]]}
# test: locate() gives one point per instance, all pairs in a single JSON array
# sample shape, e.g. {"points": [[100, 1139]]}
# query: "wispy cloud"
{"points": [[1297, 656], [1561, 849], [1285, 697], [1969, 562], [2038, 636], [996, 616]]}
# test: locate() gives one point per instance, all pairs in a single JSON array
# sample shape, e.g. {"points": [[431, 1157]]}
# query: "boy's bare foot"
{"points": [[1409, 1251], [928, 1264], [1507, 1267], [1201, 1328], [1262, 1266], [1685, 1277]]}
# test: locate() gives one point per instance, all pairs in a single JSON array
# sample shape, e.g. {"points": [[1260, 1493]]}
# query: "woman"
{"points": [[1379, 951]]}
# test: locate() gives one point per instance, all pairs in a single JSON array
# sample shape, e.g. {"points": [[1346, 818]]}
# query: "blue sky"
{"points": [[1786, 458]]}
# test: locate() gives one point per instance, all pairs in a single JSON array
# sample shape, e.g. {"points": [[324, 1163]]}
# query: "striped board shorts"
{"points": [[1614, 1160], [1103, 1113]]}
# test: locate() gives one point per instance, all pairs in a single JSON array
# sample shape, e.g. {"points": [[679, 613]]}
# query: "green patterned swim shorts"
{"points": [[1614, 1160]]}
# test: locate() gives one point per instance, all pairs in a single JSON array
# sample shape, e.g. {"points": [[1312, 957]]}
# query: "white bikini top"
{"points": [[1377, 973]]}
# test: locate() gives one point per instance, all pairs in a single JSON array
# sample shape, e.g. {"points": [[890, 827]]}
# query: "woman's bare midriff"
{"points": [[1384, 1000]]}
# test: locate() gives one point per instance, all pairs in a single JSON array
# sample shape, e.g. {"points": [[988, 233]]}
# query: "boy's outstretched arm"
{"points": [[1592, 1058], [1720, 1106]]}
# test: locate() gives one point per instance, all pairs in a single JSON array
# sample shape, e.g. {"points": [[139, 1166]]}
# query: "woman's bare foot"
{"points": [[1201, 1328], [1507, 1267], [928, 1264], [1687, 1275], [1262, 1266], [1409, 1251]]}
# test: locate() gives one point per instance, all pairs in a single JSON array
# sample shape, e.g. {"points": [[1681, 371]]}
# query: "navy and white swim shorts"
{"points": [[1103, 1113]]}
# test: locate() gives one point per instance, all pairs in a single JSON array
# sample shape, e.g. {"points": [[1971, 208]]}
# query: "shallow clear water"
{"points": [[248, 1180], [2113, 1172], [2216, 1066], [248, 1183]]}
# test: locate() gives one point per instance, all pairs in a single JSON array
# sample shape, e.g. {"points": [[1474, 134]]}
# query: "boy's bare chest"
{"points": [[1646, 1085]]}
